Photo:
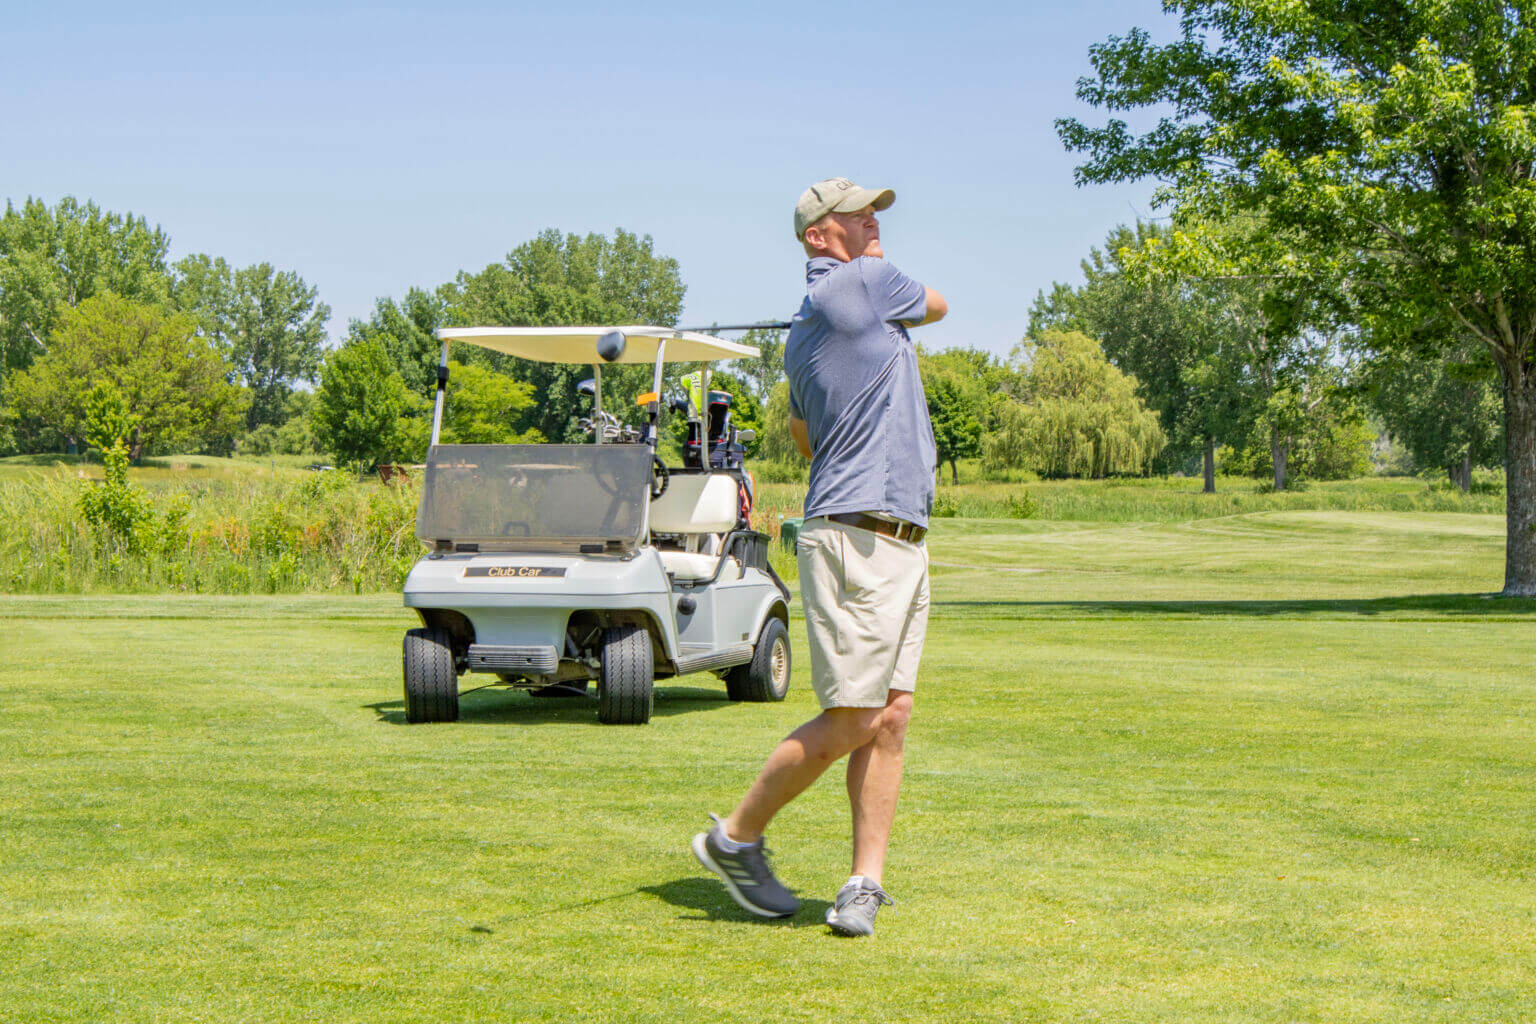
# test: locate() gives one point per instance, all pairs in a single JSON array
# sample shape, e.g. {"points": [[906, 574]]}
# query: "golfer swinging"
{"points": [[857, 411]]}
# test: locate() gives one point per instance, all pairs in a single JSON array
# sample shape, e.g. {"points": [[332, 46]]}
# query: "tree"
{"points": [[557, 280], [764, 372], [360, 406], [482, 406], [1313, 425], [52, 260], [1189, 342], [1070, 413], [776, 444], [1388, 146], [1445, 411], [959, 385], [170, 378], [408, 332], [267, 322]]}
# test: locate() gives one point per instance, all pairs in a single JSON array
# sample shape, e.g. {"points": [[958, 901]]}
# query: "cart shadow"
{"points": [[496, 706], [708, 897]]}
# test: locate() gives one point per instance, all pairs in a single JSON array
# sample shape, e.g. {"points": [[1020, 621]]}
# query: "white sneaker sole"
{"points": [[701, 853]]}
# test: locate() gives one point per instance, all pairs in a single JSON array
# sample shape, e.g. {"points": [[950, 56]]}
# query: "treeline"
{"points": [[195, 355]]}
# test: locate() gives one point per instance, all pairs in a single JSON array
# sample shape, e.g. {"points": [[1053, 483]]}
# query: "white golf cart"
{"points": [[552, 565]]}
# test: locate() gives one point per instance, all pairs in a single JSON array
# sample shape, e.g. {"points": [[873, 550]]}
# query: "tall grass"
{"points": [[231, 527], [229, 532]]}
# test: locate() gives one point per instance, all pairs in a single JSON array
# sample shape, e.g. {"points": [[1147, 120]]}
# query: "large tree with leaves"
{"points": [[1390, 147], [1067, 412], [1445, 411], [558, 279], [269, 324], [51, 260], [960, 385], [1195, 345], [171, 382]]}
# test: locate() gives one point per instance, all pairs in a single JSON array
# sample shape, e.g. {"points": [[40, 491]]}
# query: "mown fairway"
{"points": [[1271, 767]]}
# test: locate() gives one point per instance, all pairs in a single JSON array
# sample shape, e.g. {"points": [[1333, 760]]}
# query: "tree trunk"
{"points": [[1461, 472], [1280, 451], [1210, 465], [1519, 478], [954, 472]]}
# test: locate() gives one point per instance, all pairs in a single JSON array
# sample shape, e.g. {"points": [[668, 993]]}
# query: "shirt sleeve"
{"points": [[794, 407], [896, 297]]}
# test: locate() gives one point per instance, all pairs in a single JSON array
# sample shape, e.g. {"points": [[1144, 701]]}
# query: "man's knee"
{"points": [[891, 729], [854, 727]]}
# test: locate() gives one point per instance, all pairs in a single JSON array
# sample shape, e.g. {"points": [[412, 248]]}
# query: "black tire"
{"points": [[766, 677], [625, 685], [431, 684]]}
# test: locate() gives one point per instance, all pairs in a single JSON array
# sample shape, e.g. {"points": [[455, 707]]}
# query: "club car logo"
{"points": [[516, 571]]}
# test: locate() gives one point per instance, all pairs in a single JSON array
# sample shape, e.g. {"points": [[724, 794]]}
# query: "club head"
{"points": [[746, 435], [611, 345], [587, 387]]}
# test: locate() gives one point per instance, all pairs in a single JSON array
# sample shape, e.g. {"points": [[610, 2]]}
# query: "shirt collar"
{"points": [[819, 266]]}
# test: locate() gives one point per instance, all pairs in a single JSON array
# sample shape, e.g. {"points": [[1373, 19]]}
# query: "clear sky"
{"points": [[373, 147]]}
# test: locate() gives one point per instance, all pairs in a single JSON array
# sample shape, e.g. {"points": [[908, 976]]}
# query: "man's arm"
{"points": [[801, 436], [937, 308]]}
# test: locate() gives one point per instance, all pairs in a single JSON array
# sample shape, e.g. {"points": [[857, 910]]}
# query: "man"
{"points": [[857, 411]]}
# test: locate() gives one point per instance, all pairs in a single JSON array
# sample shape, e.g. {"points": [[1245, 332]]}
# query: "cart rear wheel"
{"points": [[625, 686], [766, 677], [431, 684]]}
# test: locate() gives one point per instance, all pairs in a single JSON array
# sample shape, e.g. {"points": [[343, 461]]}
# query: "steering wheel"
{"points": [[659, 477]]}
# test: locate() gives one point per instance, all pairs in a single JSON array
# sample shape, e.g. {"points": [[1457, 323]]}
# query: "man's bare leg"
{"points": [[874, 782], [798, 761]]}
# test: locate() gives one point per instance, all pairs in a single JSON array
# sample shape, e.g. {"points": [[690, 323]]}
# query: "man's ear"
{"points": [[816, 239]]}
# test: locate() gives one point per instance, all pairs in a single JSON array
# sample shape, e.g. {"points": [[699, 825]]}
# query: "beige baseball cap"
{"points": [[836, 195]]}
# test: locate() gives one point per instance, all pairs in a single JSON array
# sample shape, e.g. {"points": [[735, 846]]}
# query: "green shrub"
{"points": [[1021, 506]]}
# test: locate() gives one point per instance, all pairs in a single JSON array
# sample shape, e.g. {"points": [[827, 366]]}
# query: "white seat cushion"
{"points": [[696, 503], [688, 565]]}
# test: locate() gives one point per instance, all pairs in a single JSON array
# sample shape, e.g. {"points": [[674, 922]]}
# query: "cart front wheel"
{"points": [[766, 677], [431, 684], [625, 687]]}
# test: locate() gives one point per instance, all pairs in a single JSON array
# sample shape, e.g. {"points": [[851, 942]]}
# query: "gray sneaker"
{"points": [[853, 911], [746, 874]]}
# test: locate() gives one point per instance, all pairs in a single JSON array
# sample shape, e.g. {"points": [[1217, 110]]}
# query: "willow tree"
{"points": [[1069, 412], [1391, 148]]}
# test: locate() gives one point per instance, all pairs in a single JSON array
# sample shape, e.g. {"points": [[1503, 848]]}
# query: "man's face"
{"points": [[847, 236]]}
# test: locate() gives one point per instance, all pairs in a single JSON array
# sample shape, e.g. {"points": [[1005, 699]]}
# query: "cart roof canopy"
{"points": [[579, 344]]}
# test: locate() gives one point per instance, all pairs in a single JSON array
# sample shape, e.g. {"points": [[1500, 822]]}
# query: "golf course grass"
{"points": [[1264, 767]]}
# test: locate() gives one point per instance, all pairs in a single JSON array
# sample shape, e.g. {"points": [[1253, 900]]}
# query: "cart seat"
{"points": [[695, 503], [699, 508], [691, 565]]}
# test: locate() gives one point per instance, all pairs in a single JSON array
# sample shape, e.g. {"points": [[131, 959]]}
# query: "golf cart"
{"points": [[555, 565]]}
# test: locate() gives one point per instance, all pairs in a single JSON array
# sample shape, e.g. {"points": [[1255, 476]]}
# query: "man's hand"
{"points": [[937, 308], [801, 436]]}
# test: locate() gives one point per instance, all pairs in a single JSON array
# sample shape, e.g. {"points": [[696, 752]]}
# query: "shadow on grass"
{"points": [[709, 898], [498, 705], [1481, 606]]}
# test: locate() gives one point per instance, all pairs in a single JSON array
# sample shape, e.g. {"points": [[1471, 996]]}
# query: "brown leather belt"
{"points": [[901, 531]]}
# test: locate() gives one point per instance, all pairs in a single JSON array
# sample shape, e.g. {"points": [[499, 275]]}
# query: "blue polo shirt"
{"points": [[853, 379]]}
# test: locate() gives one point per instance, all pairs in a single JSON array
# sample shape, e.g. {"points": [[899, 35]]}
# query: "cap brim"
{"points": [[879, 198]]}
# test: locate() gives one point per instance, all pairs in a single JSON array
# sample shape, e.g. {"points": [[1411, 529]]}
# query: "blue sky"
{"points": [[371, 148]]}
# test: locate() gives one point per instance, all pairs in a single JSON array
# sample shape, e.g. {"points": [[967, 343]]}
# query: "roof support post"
{"points": [[442, 386]]}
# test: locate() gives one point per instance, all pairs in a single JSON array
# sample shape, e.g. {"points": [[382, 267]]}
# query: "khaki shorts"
{"points": [[866, 610]]}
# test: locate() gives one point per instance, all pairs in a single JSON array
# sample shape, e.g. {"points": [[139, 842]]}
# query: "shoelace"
{"points": [[880, 896]]}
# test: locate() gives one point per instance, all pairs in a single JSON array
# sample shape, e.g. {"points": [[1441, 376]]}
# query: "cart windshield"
{"points": [[534, 495]]}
